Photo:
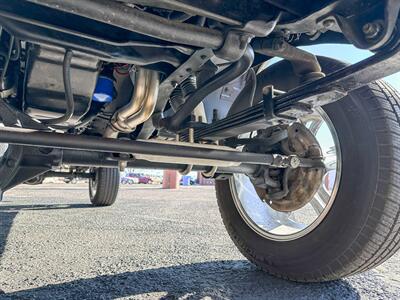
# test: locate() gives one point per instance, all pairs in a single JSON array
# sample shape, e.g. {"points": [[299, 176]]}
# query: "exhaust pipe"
{"points": [[141, 106]]}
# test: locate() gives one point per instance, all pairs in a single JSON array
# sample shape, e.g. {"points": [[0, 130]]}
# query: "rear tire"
{"points": [[103, 188], [361, 229]]}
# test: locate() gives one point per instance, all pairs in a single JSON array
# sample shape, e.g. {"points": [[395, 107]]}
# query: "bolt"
{"points": [[372, 29], [294, 161], [191, 135], [328, 23]]}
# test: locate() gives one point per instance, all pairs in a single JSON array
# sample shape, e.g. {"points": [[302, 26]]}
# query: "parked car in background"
{"points": [[129, 180], [156, 179], [143, 179]]}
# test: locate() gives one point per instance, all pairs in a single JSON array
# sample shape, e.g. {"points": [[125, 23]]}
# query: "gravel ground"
{"points": [[151, 244]]}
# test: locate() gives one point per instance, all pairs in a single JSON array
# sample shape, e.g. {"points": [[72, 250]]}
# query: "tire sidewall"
{"points": [[107, 185], [346, 218]]}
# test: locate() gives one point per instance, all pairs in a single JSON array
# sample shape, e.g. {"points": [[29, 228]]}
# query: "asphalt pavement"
{"points": [[152, 244]]}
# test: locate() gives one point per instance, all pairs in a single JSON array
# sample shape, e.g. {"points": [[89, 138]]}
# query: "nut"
{"points": [[294, 162], [372, 29]]}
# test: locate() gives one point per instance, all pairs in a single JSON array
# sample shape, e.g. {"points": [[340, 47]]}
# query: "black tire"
{"points": [[361, 230], [103, 189]]}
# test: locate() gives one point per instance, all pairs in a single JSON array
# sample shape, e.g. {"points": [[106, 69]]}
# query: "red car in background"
{"points": [[142, 178]]}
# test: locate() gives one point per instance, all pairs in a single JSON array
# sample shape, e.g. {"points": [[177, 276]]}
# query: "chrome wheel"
{"points": [[3, 146], [3, 149], [284, 226]]}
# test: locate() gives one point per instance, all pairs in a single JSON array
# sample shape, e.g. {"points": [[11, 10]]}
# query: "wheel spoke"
{"points": [[323, 195], [317, 205], [315, 126]]}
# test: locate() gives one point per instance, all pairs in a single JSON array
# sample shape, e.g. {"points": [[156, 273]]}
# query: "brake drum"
{"points": [[298, 185]]}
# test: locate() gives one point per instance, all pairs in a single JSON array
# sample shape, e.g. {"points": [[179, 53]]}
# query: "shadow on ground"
{"points": [[9, 212], [215, 279]]}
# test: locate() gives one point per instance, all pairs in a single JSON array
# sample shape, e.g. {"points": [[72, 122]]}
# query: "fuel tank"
{"points": [[44, 93]]}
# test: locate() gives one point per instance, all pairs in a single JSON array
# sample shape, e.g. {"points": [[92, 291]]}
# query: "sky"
{"points": [[349, 54]]}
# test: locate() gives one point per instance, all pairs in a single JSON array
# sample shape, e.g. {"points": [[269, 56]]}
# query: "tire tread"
{"points": [[367, 250], [107, 187]]}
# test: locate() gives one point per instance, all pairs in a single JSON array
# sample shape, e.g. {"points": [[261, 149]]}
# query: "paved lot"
{"points": [[152, 244]]}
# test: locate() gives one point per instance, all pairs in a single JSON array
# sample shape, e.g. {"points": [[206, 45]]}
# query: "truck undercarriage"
{"points": [[196, 86]]}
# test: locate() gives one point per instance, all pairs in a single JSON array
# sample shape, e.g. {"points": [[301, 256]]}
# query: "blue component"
{"points": [[104, 90], [186, 180]]}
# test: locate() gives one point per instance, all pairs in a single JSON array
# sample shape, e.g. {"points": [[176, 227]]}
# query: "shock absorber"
{"points": [[188, 86], [176, 98], [178, 95]]}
